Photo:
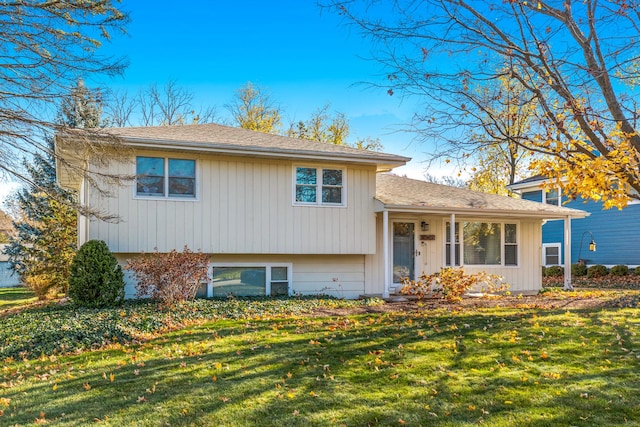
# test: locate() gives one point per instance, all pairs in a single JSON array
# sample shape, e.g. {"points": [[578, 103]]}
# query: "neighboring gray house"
{"points": [[6, 277], [280, 215]]}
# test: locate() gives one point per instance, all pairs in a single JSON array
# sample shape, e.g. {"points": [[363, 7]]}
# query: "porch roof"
{"points": [[399, 194]]}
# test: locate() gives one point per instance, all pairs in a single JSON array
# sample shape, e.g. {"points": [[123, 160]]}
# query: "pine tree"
{"points": [[46, 240]]}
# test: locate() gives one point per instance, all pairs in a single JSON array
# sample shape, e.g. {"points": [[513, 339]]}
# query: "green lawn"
{"points": [[14, 297], [500, 367]]}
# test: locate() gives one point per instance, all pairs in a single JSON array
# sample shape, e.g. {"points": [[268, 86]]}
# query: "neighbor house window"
{"points": [[319, 186], [552, 197], [165, 177], [484, 243], [551, 254], [250, 280]]}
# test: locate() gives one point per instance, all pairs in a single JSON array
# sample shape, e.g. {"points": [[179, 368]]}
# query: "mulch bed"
{"points": [[591, 300]]}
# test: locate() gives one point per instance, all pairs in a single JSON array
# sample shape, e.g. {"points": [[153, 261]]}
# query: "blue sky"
{"points": [[301, 54]]}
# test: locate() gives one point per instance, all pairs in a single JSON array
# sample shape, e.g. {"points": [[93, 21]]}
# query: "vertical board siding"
{"points": [[242, 206], [527, 276]]}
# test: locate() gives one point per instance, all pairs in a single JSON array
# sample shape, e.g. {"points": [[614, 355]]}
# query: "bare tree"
{"points": [[119, 108], [577, 61], [45, 48], [156, 105]]}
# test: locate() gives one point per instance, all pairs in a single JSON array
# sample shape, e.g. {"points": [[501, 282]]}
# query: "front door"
{"points": [[404, 251]]}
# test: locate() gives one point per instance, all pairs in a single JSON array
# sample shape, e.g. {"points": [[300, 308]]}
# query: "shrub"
{"points": [[96, 279], [619, 270], [597, 271], [170, 277], [452, 283], [578, 270], [555, 271], [40, 285], [544, 271], [636, 271]]}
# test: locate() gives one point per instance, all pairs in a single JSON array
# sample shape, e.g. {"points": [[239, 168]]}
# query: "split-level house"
{"points": [[607, 236], [280, 215]]}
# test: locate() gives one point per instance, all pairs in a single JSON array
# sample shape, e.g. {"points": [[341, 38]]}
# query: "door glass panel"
{"points": [[403, 251]]}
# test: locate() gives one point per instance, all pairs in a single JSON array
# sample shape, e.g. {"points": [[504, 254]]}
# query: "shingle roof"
{"points": [[398, 193], [215, 137]]}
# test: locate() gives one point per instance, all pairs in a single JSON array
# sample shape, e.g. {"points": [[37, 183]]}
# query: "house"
{"points": [[286, 216], [7, 276], [607, 236]]}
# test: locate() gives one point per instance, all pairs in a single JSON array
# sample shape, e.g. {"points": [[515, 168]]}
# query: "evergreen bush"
{"points": [[598, 270], [555, 271], [636, 271], [578, 270], [619, 270], [96, 279]]}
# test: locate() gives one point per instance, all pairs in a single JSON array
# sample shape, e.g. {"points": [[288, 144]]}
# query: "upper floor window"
{"points": [[319, 186], [552, 196], [165, 177]]}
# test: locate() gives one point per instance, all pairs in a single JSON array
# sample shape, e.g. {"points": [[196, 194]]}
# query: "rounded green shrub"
{"points": [[636, 271], [619, 270], [96, 279], [555, 271], [544, 271], [578, 270], [598, 270]]}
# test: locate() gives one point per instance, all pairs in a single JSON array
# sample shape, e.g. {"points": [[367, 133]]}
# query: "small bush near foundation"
{"points": [[597, 271], [619, 270], [636, 271], [451, 283], [170, 277], [96, 279], [578, 270], [555, 271]]}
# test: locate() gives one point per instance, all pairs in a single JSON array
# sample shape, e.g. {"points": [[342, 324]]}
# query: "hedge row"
{"points": [[594, 271]]}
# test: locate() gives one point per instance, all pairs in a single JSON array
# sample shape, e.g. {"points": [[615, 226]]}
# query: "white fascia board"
{"points": [[493, 213]]}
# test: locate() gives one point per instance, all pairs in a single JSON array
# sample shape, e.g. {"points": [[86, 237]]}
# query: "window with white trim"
{"points": [[250, 280], [551, 254], [552, 196], [319, 186], [165, 177], [483, 243], [448, 244]]}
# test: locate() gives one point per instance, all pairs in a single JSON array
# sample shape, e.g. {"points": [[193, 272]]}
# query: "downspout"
{"points": [[385, 254], [567, 254]]}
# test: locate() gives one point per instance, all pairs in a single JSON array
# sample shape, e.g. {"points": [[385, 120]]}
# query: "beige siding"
{"points": [[340, 276], [243, 206]]}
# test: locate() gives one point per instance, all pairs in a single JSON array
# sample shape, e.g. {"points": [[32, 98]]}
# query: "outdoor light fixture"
{"points": [[592, 244]]}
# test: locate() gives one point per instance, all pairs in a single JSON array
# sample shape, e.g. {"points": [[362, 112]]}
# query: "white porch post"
{"points": [[385, 256], [452, 239], [567, 254]]}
